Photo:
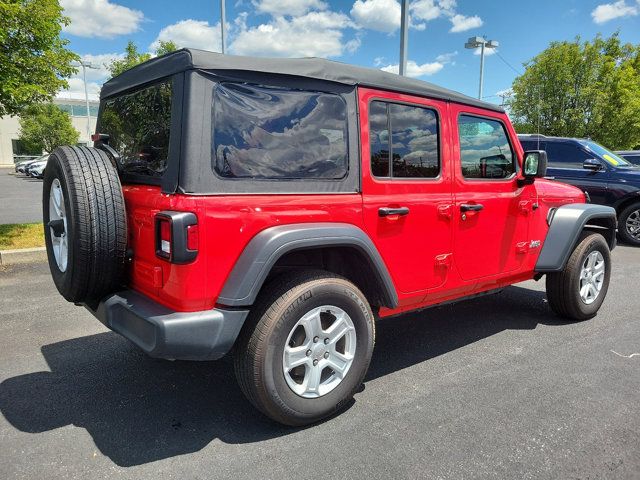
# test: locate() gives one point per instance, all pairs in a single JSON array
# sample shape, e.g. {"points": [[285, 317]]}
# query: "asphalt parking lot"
{"points": [[495, 387], [21, 198]]}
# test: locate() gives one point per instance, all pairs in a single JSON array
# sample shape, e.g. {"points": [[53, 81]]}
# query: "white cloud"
{"points": [[487, 51], [425, 10], [315, 34], [96, 75], [191, 33], [294, 8], [384, 15], [76, 85], [415, 70], [609, 11], [100, 18], [379, 15], [462, 23], [447, 57]]}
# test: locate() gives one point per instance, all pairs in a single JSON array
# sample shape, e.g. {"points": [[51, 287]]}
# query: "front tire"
{"points": [[629, 225], [577, 292], [305, 348]]}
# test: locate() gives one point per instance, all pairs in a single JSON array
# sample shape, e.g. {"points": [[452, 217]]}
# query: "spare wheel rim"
{"points": [[58, 225]]}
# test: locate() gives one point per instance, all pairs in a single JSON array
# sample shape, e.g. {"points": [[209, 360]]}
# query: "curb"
{"points": [[23, 255]]}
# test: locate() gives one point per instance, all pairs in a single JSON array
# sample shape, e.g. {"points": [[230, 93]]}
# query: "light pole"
{"points": [[222, 21], [84, 66], [404, 37], [482, 43]]}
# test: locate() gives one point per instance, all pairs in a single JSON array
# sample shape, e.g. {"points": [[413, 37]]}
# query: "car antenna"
{"points": [[538, 127]]}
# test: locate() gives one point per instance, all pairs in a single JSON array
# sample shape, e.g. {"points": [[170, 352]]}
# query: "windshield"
{"points": [[610, 157]]}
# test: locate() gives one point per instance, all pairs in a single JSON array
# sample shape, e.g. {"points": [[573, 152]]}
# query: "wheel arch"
{"points": [[565, 226], [627, 200], [331, 240]]}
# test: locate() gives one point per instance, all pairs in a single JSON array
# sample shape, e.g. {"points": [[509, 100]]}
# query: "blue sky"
{"points": [[362, 32]]}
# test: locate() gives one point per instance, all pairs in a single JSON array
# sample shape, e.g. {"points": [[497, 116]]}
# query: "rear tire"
{"points": [[629, 225], [577, 292], [274, 330], [85, 224]]}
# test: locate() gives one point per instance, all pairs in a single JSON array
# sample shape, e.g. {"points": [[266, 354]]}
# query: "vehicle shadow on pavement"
{"points": [[139, 410]]}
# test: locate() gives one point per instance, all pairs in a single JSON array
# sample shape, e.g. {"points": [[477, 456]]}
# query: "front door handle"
{"points": [[388, 211], [471, 207]]}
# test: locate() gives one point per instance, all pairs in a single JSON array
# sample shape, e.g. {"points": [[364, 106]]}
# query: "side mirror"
{"points": [[535, 165], [593, 165]]}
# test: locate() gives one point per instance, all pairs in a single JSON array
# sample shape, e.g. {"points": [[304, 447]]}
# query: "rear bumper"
{"points": [[164, 333]]}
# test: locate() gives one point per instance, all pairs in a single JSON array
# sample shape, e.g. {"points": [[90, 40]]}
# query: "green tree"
{"points": [[166, 47], [34, 60], [132, 57], [582, 89], [45, 127]]}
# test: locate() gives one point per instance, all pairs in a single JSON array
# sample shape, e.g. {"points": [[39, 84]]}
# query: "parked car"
{"points": [[21, 167], [606, 177], [631, 156], [37, 169], [285, 204]]}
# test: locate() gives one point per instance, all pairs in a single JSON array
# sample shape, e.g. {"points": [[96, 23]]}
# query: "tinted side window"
{"points": [[138, 125], [379, 139], [412, 147], [531, 145], [485, 151], [565, 155], [275, 133]]}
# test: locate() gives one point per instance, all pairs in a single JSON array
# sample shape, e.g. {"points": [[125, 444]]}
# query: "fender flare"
{"points": [[566, 224], [256, 260]]}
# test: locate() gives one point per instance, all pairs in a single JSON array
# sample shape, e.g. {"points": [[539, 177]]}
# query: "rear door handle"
{"points": [[388, 211], [471, 207]]}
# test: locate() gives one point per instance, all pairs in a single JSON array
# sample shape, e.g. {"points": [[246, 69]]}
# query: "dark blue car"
{"points": [[606, 177]]}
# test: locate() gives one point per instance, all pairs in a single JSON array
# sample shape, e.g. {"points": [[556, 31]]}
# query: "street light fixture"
{"points": [[404, 36], [84, 66], [223, 40], [482, 43]]}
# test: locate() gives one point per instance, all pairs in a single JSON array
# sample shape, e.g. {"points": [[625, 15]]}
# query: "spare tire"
{"points": [[84, 223]]}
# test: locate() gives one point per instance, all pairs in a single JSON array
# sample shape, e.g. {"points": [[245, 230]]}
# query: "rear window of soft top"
{"points": [[138, 124]]}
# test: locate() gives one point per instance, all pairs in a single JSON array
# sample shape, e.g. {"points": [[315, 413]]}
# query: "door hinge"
{"points": [[522, 247], [524, 206], [445, 211], [443, 260]]}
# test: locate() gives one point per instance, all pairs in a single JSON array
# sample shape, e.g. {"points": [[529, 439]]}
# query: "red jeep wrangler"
{"points": [[278, 207]]}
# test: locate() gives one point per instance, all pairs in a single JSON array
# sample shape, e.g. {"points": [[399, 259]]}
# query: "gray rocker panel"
{"points": [[264, 250], [566, 226]]}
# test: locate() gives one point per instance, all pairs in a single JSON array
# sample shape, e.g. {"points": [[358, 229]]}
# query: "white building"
{"points": [[72, 103]]}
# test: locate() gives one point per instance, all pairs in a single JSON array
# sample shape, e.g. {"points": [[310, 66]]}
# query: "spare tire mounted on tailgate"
{"points": [[85, 223]]}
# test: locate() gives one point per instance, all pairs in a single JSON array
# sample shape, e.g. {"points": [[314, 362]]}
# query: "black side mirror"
{"points": [[593, 165], [535, 165]]}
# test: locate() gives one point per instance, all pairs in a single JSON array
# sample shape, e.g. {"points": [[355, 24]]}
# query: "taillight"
{"points": [[165, 237], [192, 237], [177, 236]]}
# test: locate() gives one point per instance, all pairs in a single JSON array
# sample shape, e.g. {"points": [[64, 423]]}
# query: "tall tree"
{"points": [[132, 57], [34, 60], [582, 89], [45, 127]]}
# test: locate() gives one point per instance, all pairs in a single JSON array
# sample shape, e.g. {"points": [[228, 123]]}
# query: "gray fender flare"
{"points": [[250, 271], [567, 222]]}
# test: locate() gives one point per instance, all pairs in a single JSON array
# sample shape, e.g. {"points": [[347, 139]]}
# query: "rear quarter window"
{"points": [[276, 133], [138, 124]]}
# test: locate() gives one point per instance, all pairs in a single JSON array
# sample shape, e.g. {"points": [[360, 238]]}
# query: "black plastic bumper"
{"points": [[164, 333]]}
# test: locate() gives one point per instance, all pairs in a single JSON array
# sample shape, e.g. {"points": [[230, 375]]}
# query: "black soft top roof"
{"points": [[314, 68]]}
